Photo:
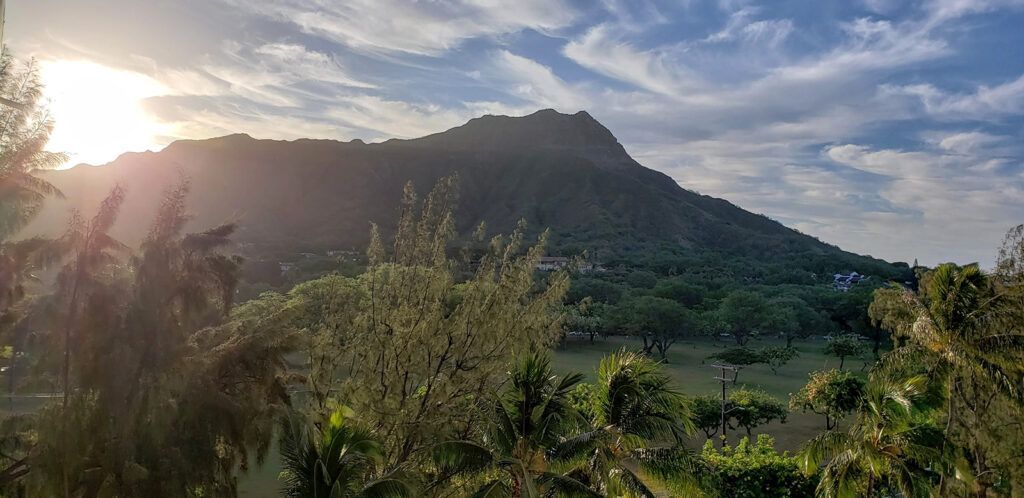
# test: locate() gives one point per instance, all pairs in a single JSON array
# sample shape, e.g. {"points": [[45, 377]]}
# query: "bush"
{"points": [[756, 471]]}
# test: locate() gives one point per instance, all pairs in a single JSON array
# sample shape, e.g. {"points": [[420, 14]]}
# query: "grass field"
{"points": [[688, 365]]}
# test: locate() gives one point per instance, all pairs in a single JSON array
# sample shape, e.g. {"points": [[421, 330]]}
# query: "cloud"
{"points": [[983, 103], [848, 127], [961, 201], [651, 70], [405, 26], [536, 83]]}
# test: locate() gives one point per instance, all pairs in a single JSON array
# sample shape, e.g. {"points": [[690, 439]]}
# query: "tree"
{"points": [[24, 133], [843, 346], [777, 356], [706, 411], [739, 357], [659, 322], [680, 291], [598, 289], [794, 318], [889, 310], [849, 311], [750, 408], [584, 318], [640, 424], [832, 393], [337, 459], [641, 279], [525, 425], [94, 253], [25, 127], [756, 471], [745, 314], [964, 330], [172, 395], [890, 444], [417, 348]]}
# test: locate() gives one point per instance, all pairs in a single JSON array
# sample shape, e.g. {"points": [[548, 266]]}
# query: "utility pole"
{"points": [[726, 374]]}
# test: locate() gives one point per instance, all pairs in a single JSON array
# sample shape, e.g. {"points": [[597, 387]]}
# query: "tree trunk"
{"points": [[648, 346], [842, 360], [662, 346]]}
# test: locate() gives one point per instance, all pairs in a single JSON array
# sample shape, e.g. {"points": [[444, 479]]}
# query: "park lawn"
{"points": [[688, 365]]}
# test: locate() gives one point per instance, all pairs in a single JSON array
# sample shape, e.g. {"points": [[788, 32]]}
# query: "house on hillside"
{"points": [[553, 263], [843, 282]]}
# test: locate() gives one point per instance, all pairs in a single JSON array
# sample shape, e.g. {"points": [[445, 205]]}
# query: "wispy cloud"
{"points": [[423, 28], [985, 102], [845, 120]]}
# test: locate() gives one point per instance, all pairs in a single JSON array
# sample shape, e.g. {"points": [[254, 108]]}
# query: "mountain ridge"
{"points": [[563, 171]]}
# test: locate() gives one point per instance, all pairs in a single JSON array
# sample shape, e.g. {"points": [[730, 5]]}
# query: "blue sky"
{"points": [[887, 127]]}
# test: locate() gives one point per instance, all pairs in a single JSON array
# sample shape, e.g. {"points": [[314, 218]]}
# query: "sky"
{"points": [[887, 127]]}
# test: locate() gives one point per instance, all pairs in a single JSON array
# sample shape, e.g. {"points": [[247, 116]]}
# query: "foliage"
{"points": [[659, 322], [25, 128], [24, 132], [745, 314], [337, 459], [583, 398], [584, 318], [598, 289], [637, 436], [891, 444], [741, 356], [777, 356], [410, 348], [832, 393], [172, 395], [756, 471], [525, 425], [794, 318], [844, 346], [680, 291], [706, 411], [750, 408], [963, 328]]}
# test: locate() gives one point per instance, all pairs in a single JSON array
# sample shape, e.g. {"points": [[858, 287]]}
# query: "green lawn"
{"points": [[688, 365]]}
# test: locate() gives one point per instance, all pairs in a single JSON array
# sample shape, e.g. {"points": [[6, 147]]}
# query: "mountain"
{"points": [[565, 172]]}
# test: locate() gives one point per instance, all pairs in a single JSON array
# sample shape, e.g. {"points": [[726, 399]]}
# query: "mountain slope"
{"points": [[566, 172]]}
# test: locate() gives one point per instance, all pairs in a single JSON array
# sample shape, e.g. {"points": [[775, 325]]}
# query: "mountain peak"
{"points": [[546, 128]]}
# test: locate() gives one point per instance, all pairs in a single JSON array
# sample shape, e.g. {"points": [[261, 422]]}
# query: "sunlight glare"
{"points": [[98, 111]]}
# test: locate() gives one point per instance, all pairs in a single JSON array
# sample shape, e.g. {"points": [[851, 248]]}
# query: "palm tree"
{"points": [[890, 445], [338, 460], [526, 422], [957, 324], [638, 430], [958, 328]]}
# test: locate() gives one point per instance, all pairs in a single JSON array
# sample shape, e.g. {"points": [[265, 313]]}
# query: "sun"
{"points": [[98, 112]]}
